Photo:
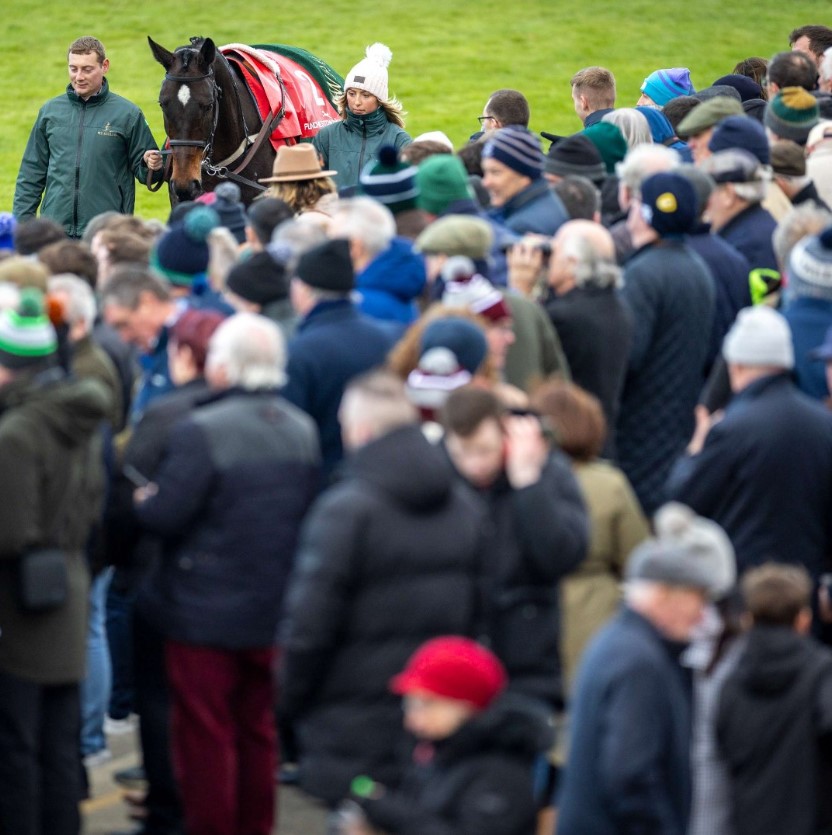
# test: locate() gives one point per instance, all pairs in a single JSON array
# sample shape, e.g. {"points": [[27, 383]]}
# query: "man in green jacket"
{"points": [[85, 148]]}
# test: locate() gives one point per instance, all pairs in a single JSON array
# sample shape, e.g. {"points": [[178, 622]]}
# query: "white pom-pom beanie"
{"points": [[370, 73]]}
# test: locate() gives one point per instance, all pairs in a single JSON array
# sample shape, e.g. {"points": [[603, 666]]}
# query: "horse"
{"points": [[214, 127]]}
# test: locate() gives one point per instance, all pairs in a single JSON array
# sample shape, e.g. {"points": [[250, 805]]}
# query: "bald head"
{"points": [[583, 253]]}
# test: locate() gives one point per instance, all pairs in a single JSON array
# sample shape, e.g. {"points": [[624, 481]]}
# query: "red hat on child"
{"points": [[453, 667]]}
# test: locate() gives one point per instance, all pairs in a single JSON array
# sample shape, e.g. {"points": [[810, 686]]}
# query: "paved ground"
{"points": [[107, 812]]}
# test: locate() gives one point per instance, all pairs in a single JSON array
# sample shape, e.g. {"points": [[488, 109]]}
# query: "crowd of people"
{"points": [[478, 490]]}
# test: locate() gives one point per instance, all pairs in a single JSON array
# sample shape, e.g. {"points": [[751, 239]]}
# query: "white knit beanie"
{"points": [[370, 73], [759, 336]]}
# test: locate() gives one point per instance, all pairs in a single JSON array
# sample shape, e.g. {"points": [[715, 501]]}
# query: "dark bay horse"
{"points": [[199, 95]]}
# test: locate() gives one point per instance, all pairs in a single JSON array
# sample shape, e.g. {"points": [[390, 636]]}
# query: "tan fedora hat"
{"points": [[296, 162]]}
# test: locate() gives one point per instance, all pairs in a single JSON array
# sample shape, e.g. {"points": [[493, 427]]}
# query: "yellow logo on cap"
{"points": [[667, 203]]}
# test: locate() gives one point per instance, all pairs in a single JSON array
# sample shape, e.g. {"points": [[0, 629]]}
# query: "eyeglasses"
{"points": [[483, 119]]}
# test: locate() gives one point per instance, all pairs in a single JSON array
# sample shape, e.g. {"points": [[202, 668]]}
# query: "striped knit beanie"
{"points": [[390, 181], [466, 288], [791, 114], [517, 148], [26, 334], [663, 85]]}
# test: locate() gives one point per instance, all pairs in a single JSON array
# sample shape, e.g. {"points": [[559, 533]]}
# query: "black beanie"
{"points": [[258, 279], [327, 266], [575, 155]]}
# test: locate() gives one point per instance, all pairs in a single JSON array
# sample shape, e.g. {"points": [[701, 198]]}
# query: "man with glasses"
{"points": [[504, 107]]}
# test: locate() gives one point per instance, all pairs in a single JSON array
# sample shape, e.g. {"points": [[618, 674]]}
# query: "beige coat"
{"points": [[590, 595]]}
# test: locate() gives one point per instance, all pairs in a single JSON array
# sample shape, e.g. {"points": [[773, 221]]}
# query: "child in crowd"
{"points": [[370, 119], [473, 763], [774, 724]]}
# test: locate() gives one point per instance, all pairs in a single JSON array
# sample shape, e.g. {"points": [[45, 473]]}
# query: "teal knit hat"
{"points": [[609, 141], [181, 255], [442, 180], [26, 334], [390, 181]]}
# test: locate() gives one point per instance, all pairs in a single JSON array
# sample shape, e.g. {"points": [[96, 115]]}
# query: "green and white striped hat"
{"points": [[26, 334]]}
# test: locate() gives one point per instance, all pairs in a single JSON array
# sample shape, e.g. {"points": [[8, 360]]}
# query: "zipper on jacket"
{"points": [[363, 146], [77, 191]]}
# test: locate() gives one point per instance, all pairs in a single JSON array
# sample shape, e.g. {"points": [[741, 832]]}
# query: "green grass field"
{"points": [[448, 55]]}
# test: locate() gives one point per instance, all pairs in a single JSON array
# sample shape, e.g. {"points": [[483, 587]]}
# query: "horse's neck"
{"points": [[231, 129]]}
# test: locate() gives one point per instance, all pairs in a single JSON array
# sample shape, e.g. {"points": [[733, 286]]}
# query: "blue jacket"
{"points": [[238, 477], [535, 209], [671, 295], [750, 232], [628, 771], [333, 344], [729, 269], [391, 282], [809, 319], [765, 475]]}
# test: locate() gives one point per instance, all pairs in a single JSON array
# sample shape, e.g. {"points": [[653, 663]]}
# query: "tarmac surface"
{"points": [[107, 812]]}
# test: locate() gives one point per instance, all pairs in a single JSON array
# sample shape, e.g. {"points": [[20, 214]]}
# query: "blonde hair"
{"points": [[302, 195], [392, 108]]}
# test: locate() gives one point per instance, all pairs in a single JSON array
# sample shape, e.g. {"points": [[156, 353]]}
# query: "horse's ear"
{"points": [[161, 54], [207, 52]]}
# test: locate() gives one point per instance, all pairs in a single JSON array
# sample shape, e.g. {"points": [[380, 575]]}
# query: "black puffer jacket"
{"points": [[774, 729], [387, 559], [535, 536], [479, 781]]}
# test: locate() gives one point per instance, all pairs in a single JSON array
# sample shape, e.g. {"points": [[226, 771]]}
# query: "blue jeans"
{"points": [[95, 689]]}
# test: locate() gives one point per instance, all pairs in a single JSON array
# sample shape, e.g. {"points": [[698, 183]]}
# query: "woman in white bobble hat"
{"points": [[370, 119]]}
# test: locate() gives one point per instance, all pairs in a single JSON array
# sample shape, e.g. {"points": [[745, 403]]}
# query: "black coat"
{"points": [[478, 782], [387, 559], [596, 331], [729, 269], [765, 475], [750, 232], [671, 295], [774, 729], [237, 479], [535, 536]]}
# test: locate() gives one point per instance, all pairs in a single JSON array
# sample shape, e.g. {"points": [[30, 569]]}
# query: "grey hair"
{"points": [[643, 161], [751, 192], [81, 307], [251, 350], [798, 223], [632, 124], [365, 220], [291, 239], [591, 268], [826, 65]]}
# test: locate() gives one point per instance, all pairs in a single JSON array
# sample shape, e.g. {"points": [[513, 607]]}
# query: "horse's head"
{"points": [[188, 99]]}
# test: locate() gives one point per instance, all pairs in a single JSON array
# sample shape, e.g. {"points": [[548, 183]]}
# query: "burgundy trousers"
{"points": [[223, 738]]}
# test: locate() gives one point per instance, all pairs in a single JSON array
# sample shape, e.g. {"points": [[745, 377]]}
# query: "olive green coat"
{"points": [[591, 594], [51, 478]]}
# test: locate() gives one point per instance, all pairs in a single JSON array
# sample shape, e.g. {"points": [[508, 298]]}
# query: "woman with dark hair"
{"points": [[590, 594]]}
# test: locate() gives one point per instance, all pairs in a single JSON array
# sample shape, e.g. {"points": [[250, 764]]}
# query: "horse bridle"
{"points": [[254, 144]]}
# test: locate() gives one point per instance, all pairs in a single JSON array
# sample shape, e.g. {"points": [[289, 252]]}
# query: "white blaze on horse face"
{"points": [[184, 94]]}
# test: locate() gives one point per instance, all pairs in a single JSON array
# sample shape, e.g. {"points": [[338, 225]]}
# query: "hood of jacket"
{"points": [[513, 724], [405, 465], [398, 273], [72, 409], [773, 659]]}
